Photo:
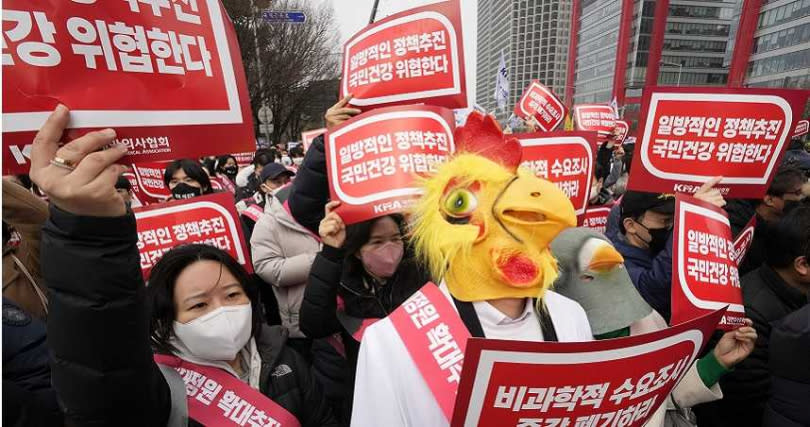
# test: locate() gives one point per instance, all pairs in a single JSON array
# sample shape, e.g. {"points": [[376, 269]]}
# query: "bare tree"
{"points": [[293, 57]]}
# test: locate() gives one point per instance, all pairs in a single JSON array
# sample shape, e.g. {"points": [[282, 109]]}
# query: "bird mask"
{"points": [[484, 225], [592, 273]]}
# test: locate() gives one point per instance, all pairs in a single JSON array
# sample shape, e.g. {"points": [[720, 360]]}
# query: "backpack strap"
{"points": [[178, 416], [470, 318], [546, 325]]}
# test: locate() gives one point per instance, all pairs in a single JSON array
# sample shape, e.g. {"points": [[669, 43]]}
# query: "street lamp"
{"points": [[680, 69]]}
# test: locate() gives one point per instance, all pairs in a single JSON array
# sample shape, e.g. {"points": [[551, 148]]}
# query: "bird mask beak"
{"points": [[605, 258]]}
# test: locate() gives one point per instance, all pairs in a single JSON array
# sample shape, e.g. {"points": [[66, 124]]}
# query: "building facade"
{"points": [[534, 38], [780, 53], [623, 45]]}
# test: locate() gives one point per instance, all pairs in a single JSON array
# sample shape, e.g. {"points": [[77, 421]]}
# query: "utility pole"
{"points": [[373, 12], [263, 127]]}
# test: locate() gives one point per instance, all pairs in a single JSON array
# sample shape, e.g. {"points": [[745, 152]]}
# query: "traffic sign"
{"points": [[288, 16]]}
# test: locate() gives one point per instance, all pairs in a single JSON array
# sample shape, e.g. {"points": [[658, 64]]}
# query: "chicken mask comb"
{"points": [[482, 135]]}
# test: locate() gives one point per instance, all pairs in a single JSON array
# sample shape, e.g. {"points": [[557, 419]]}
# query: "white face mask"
{"points": [[298, 161], [218, 335]]}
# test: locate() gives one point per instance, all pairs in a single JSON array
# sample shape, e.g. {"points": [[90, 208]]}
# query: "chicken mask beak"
{"points": [[532, 209]]}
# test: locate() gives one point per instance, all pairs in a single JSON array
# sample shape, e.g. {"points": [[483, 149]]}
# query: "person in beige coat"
{"points": [[283, 252]]}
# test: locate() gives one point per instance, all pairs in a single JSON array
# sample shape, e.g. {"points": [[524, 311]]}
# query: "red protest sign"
{"points": [[415, 56], [373, 158], [689, 135], [210, 220], [244, 159], [610, 382], [744, 240], [309, 136], [622, 129], [564, 158], [539, 102], [802, 128], [596, 218], [149, 187], [168, 77], [595, 118], [704, 272]]}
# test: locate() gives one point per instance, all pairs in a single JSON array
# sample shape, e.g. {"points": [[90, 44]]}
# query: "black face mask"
{"points": [[184, 191], [231, 171], [792, 204], [658, 238]]}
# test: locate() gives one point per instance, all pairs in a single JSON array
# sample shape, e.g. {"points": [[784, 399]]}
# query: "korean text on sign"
{"points": [[374, 159], [182, 52], [412, 56], [688, 136]]}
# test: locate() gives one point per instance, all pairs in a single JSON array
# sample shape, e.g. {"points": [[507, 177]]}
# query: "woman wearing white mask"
{"points": [[216, 363]]}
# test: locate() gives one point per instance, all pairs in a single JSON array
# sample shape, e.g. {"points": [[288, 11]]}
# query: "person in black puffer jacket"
{"points": [[790, 372], [103, 322], [368, 267]]}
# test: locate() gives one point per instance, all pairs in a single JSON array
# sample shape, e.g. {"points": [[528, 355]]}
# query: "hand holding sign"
{"points": [[87, 190], [709, 194], [339, 113], [332, 228], [736, 345]]}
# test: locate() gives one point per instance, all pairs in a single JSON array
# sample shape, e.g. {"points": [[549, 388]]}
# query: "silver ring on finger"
{"points": [[62, 163]]}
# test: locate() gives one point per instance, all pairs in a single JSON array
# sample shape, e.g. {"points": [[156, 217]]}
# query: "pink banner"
{"points": [[216, 398], [435, 338]]}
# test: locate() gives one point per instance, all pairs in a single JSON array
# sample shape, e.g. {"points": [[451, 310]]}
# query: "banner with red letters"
{"points": [[432, 331], [373, 159], [210, 220], [744, 240], [309, 136], [595, 118], [596, 218], [148, 185], [564, 158], [802, 127], [615, 382], [415, 56], [540, 103], [622, 129], [704, 269], [688, 135], [167, 76]]}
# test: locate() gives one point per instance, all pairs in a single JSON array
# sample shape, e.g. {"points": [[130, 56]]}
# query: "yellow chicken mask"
{"points": [[483, 224]]}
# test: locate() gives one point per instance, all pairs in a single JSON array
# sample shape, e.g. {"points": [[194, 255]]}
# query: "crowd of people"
{"points": [[81, 328]]}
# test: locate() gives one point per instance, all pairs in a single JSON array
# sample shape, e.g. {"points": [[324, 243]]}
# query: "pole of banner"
{"points": [[373, 12], [263, 130]]}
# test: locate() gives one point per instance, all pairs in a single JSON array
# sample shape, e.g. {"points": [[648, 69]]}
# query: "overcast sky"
{"points": [[352, 15]]}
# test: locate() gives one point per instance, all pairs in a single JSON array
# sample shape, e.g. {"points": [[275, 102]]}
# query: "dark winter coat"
{"points": [[28, 398], [789, 405], [310, 189], [651, 275], [98, 327], [747, 388]]}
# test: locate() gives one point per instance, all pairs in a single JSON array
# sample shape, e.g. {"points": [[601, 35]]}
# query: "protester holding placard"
{"points": [[780, 286], [593, 275], [363, 273], [645, 241], [186, 179], [216, 362]]}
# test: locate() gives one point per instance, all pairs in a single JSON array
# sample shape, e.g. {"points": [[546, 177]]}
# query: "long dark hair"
{"points": [[358, 235], [160, 292], [221, 160], [192, 169]]}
